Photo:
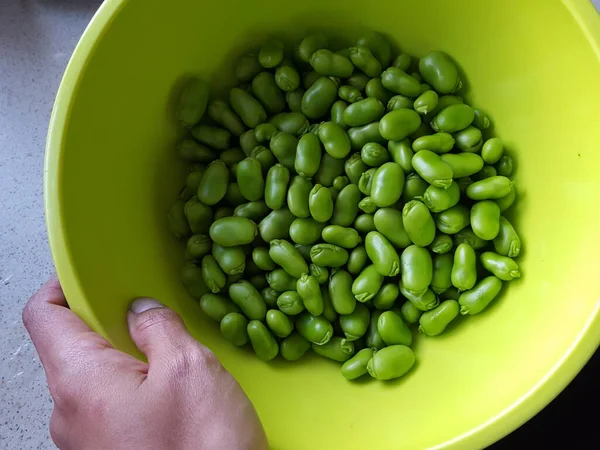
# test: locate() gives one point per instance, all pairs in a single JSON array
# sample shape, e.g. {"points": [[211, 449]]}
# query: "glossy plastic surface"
{"points": [[112, 172]]}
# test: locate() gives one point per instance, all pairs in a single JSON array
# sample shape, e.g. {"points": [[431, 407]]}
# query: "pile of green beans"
{"points": [[338, 199]]}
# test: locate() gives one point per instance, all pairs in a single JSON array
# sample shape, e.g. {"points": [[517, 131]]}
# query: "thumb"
{"points": [[157, 330]]}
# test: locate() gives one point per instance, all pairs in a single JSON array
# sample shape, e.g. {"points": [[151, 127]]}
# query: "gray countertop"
{"points": [[37, 38]]}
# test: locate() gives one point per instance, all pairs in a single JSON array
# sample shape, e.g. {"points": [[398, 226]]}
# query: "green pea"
{"points": [[192, 102], [416, 269], [505, 166], [363, 112], [354, 168], [317, 99], [293, 347], [290, 303], [366, 181], [298, 195], [357, 260], [391, 362], [276, 225], [469, 139], [466, 235], [424, 302], [452, 220], [402, 154], [213, 185], [418, 223], [330, 169], [220, 112], [340, 292], [463, 164], [362, 58], [233, 328], [439, 71], [464, 269], [439, 199], [250, 179], [367, 284], [233, 231], [328, 255], [442, 243], [399, 124], [365, 223], [382, 253], [386, 297], [442, 271], [414, 187], [321, 274], [432, 169], [375, 89], [294, 123], [393, 330], [374, 154], [280, 324], [485, 219], [356, 366], [426, 102], [264, 344], [359, 136], [199, 216], [198, 245], [378, 45], [410, 313], [396, 80], [320, 203], [453, 118], [287, 78], [367, 205], [193, 281], [330, 64], [276, 185], [500, 266], [389, 222], [287, 256], [402, 61], [217, 307], [315, 329], [434, 322], [247, 67], [334, 139], [489, 188], [340, 183], [337, 113], [309, 290], [337, 349], [477, 299], [281, 281], [232, 260], [507, 243], [349, 94], [190, 150], [438, 143], [507, 201], [294, 100], [213, 276], [341, 236]]}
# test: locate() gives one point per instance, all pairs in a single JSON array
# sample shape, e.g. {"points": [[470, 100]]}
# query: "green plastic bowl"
{"points": [[112, 173]]}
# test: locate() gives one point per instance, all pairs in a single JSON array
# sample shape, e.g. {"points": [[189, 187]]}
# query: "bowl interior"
{"points": [[113, 173]]}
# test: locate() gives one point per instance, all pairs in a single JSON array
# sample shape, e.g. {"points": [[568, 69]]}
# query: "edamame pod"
{"points": [[318, 98], [337, 349], [438, 199], [293, 347], [308, 155], [234, 328], [315, 329], [393, 330], [247, 297], [232, 260], [328, 255], [355, 324], [434, 322], [276, 225], [340, 292], [477, 299], [399, 124], [330, 64], [452, 220], [356, 366], [264, 344], [213, 185], [464, 268], [192, 102], [432, 169], [463, 164], [442, 272], [500, 266], [418, 223], [485, 219], [288, 257], [276, 185], [507, 243], [367, 284], [290, 303], [398, 81], [382, 253], [250, 179], [439, 71], [280, 324], [233, 231], [342, 236], [334, 139], [391, 362], [489, 188], [217, 307], [320, 203], [416, 269]]}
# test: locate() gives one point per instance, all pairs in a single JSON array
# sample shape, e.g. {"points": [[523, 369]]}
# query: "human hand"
{"points": [[106, 399]]}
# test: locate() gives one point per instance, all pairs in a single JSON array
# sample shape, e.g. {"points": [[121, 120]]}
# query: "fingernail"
{"points": [[143, 304]]}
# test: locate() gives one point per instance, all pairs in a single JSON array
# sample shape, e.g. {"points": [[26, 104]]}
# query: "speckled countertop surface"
{"points": [[36, 41]]}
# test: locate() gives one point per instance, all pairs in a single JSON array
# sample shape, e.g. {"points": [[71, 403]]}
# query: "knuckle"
{"points": [[191, 360]]}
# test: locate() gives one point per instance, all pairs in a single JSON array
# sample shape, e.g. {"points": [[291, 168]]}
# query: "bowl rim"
{"points": [[520, 411]]}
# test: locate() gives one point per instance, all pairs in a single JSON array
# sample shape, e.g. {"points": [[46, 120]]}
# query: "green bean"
{"points": [[250, 179], [391, 362], [247, 67], [485, 172], [287, 78], [362, 58], [264, 156], [354, 168], [285, 255], [492, 150], [367, 205], [357, 260], [234, 196]]}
